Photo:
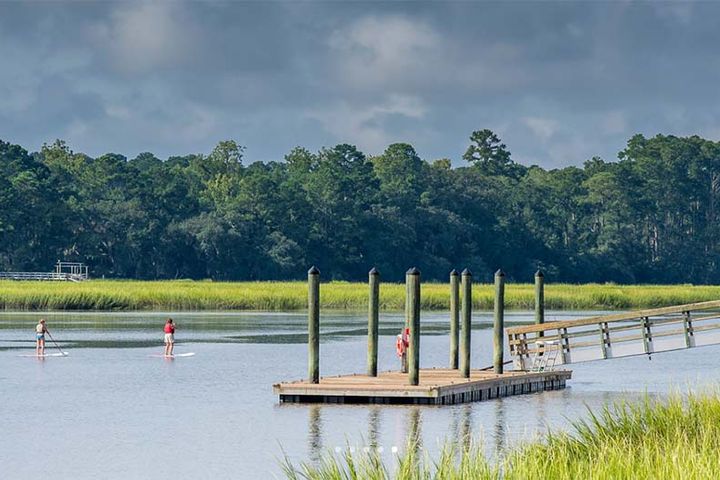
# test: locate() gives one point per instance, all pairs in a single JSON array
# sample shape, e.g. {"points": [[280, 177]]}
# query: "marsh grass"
{"points": [[678, 438], [286, 296]]}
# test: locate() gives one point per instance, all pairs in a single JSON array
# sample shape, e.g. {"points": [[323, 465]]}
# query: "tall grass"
{"points": [[675, 439], [282, 296]]}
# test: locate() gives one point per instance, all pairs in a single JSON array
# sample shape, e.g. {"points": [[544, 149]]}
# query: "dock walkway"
{"points": [[64, 271], [640, 332], [437, 386]]}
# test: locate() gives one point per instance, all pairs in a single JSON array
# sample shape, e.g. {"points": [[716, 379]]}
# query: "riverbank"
{"points": [[114, 295], [677, 438]]}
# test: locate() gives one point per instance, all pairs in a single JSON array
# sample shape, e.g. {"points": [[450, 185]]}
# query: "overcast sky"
{"points": [[559, 82]]}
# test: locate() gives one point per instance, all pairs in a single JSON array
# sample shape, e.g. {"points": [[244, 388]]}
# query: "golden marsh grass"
{"points": [[285, 296]]}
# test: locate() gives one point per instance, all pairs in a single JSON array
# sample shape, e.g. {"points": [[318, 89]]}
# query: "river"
{"points": [[110, 410]]}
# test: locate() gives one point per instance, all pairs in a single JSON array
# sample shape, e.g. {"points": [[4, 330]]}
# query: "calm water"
{"points": [[109, 410]]}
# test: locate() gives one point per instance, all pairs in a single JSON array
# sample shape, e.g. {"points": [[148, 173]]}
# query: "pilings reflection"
{"points": [[483, 425]]}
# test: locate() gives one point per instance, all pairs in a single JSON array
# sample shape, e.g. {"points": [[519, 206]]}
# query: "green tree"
{"points": [[490, 155]]}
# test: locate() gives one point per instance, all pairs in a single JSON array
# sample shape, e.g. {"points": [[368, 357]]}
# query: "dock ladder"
{"points": [[545, 355]]}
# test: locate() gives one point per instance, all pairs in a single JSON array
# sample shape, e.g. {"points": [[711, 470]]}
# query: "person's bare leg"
{"points": [[172, 347], [42, 347], [167, 348], [37, 346]]}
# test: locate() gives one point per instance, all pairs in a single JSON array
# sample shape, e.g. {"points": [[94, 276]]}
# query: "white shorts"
{"points": [[169, 338]]}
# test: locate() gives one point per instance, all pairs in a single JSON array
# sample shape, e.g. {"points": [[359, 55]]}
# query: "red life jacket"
{"points": [[402, 342], [169, 328]]}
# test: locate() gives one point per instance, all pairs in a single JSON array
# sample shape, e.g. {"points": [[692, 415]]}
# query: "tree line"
{"points": [[651, 216]]}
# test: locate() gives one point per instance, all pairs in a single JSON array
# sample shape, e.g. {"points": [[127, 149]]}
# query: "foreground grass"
{"points": [[283, 296], [675, 439]]}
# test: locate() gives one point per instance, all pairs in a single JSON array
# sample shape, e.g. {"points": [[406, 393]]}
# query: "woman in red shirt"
{"points": [[169, 337]]}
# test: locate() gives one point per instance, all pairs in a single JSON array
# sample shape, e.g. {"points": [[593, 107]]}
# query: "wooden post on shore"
{"points": [[412, 280], [539, 299], [314, 325], [454, 318], [499, 321], [466, 323], [373, 317]]}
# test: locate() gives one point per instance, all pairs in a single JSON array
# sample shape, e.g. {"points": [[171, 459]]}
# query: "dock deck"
{"points": [[438, 386]]}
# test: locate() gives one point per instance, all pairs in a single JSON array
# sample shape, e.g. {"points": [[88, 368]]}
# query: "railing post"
{"points": [[314, 325], [688, 329], [412, 280], [539, 300], [647, 336], [565, 343], [604, 339], [499, 321], [373, 319], [466, 323], [454, 318]]}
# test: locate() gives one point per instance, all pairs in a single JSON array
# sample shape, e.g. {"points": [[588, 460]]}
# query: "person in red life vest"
{"points": [[401, 345], [169, 337]]}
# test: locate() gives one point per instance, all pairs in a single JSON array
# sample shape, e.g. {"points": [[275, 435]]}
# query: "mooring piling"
{"points": [[499, 321], [539, 299], [373, 320], [454, 318], [466, 288], [412, 280], [314, 325]]}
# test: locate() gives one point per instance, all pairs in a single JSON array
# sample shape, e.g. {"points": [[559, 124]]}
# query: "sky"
{"points": [[559, 82]]}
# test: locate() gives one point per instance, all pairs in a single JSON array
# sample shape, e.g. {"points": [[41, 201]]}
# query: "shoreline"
{"points": [[207, 296]]}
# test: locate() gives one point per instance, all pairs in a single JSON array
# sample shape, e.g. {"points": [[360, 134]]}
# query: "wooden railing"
{"points": [[619, 335], [42, 276]]}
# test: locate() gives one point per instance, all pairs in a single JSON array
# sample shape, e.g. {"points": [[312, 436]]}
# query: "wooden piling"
{"points": [[454, 318], [314, 325], [412, 280], [499, 321], [466, 323], [373, 318], [540, 299]]}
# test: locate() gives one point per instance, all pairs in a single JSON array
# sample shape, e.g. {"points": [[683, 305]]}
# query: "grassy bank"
{"points": [[676, 439], [283, 296]]}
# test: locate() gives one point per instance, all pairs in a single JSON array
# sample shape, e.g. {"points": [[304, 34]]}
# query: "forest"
{"points": [[651, 216]]}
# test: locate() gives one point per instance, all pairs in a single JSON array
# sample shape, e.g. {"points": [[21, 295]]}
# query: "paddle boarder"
{"points": [[169, 337], [40, 331]]}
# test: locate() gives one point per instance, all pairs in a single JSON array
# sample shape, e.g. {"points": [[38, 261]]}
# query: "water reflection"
{"points": [[464, 427], [540, 409], [414, 426], [464, 432], [373, 427], [315, 443], [500, 426]]}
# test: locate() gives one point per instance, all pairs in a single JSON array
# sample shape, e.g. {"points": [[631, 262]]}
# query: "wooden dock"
{"points": [[437, 386], [64, 271]]}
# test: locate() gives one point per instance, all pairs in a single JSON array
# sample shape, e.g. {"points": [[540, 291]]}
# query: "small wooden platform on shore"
{"points": [[438, 386]]}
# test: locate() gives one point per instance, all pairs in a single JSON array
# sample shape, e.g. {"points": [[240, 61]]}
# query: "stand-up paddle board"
{"points": [[159, 355], [64, 354]]}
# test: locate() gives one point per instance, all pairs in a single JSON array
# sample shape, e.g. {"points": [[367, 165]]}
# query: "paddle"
{"points": [[56, 344]]}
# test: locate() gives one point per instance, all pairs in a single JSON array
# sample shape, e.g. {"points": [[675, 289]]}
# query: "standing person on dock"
{"points": [[40, 331], [169, 337], [401, 345]]}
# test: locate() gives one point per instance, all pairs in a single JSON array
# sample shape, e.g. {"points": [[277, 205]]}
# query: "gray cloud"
{"points": [[560, 82]]}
